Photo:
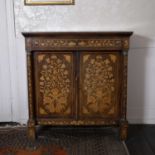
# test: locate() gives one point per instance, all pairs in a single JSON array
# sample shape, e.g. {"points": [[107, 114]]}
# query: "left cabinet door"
{"points": [[54, 86]]}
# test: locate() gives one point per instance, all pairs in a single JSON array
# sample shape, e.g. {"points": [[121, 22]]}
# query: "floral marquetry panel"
{"points": [[99, 84], [54, 82]]}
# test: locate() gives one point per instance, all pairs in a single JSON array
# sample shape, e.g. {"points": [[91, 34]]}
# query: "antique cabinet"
{"points": [[77, 79]]}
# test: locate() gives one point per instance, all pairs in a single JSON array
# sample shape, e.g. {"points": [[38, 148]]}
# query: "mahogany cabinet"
{"points": [[77, 79]]}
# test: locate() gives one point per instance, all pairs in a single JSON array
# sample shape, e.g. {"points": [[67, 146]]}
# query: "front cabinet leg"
{"points": [[123, 130], [31, 130]]}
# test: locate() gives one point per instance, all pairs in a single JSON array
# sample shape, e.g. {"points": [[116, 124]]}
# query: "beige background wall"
{"points": [[87, 15]]}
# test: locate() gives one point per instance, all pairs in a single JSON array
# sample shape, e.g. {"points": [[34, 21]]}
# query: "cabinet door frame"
{"points": [[119, 72], [73, 103]]}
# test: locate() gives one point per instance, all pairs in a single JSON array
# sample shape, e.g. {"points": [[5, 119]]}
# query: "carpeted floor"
{"points": [[62, 141]]}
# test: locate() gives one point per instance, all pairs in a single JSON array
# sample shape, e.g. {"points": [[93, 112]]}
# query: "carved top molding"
{"points": [[74, 43], [69, 41]]}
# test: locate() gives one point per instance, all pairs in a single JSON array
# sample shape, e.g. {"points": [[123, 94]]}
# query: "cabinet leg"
{"points": [[123, 130], [31, 131]]}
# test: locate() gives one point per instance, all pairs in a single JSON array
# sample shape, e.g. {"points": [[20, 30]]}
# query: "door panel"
{"points": [[54, 84], [99, 73]]}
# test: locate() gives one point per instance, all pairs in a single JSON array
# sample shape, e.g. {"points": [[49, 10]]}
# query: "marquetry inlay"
{"points": [[77, 79], [99, 84], [55, 82], [74, 43]]}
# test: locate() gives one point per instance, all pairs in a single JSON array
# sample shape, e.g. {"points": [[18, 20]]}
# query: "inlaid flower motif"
{"points": [[99, 83], [55, 83]]}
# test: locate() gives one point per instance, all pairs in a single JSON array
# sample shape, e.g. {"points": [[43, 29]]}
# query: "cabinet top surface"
{"points": [[106, 33]]}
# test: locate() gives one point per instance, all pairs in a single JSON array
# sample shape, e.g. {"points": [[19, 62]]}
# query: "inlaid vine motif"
{"points": [[55, 83], [99, 84]]}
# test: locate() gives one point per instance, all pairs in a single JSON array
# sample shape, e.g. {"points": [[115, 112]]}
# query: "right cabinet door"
{"points": [[100, 83]]}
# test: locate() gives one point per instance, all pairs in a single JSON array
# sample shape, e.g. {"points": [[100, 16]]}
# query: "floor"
{"points": [[141, 140], [67, 140]]}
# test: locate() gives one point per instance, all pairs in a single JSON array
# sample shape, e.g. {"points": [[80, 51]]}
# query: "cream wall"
{"points": [[90, 15]]}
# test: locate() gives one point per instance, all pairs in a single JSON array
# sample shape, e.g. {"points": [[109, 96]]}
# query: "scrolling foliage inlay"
{"points": [[55, 74], [99, 84]]}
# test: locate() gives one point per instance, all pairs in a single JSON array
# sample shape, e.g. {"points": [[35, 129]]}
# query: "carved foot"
{"points": [[123, 130], [31, 131]]}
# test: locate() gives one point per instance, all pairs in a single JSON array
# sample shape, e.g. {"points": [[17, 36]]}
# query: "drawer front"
{"points": [[99, 85], [54, 73]]}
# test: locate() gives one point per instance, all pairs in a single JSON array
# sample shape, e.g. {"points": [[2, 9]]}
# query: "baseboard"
{"points": [[141, 121], [141, 115], [21, 121]]}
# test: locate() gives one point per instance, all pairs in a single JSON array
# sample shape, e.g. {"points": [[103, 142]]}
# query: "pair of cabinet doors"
{"points": [[78, 84]]}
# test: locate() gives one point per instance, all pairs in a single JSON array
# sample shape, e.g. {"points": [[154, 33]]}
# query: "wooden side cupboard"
{"points": [[77, 79]]}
